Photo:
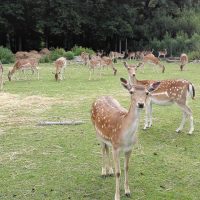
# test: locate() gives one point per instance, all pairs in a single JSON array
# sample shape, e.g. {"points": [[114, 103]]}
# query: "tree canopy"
{"points": [[98, 24]]}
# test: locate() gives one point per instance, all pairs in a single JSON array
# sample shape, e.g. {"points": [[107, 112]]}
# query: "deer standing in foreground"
{"points": [[162, 53], [60, 65], [116, 127], [1, 76], [24, 65], [150, 58], [183, 60], [168, 92]]}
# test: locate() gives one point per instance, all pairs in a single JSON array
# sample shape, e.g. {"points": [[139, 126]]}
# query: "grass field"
{"points": [[64, 162]]}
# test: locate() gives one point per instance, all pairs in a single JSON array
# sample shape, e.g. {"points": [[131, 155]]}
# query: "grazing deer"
{"points": [[60, 65], [150, 58], [1, 76], [162, 53], [183, 60], [116, 127], [168, 92], [24, 65]]}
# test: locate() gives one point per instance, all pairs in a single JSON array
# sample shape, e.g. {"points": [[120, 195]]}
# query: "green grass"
{"points": [[64, 162]]}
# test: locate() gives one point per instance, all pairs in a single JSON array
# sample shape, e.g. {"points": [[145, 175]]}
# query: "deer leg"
{"points": [[126, 161], [148, 115], [182, 122], [108, 167], [188, 111], [117, 173], [90, 75], [38, 75], [103, 172]]}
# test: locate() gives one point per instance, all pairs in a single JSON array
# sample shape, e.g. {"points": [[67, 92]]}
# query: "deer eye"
{"points": [[147, 93]]}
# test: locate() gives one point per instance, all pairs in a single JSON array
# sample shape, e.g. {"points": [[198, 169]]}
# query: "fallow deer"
{"points": [[60, 65], [183, 60], [162, 53], [150, 58], [24, 65], [94, 64], [168, 92], [116, 128], [131, 55], [106, 61], [85, 57]]}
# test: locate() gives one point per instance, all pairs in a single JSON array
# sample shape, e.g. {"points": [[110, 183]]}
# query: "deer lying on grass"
{"points": [[116, 127], [24, 65], [168, 92], [162, 53], [150, 58], [60, 65], [1, 76], [183, 60]]}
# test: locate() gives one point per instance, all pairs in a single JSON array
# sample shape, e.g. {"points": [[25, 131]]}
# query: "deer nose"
{"points": [[133, 75], [140, 105]]}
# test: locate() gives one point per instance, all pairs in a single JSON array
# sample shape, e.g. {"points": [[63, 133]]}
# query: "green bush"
{"points": [[6, 55], [45, 59], [57, 53], [78, 50], [194, 55], [69, 55]]}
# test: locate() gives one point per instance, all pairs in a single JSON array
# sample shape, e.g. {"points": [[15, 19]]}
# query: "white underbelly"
{"points": [[161, 102]]}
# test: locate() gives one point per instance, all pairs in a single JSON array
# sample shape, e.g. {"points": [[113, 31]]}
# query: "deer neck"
{"points": [[132, 117], [133, 80]]}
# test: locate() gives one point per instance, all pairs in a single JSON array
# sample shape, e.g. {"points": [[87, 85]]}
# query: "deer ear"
{"points": [[153, 86], [125, 84], [125, 64]]}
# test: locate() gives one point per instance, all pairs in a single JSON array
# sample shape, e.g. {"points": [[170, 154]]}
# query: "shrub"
{"points": [[45, 59], [69, 55], [6, 55], [57, 53], [78, 50], [194, 55]]}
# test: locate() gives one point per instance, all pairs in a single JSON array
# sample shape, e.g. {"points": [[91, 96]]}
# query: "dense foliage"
{"points": [[6, 56], [101, 24]]}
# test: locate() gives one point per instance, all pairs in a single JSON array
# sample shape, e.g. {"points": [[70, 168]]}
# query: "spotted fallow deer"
{"points": [[150, 58], [183, 60], [162, 53], [60, 65], [106, 61], [24, 65], [168, 92], [116, 128], [94, 64], [1, 76]]}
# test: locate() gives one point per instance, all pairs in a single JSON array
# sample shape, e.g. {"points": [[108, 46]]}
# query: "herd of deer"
{"points": [[116, 127]]}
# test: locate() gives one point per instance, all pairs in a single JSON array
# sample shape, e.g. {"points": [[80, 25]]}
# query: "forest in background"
{"points": [[101, 24]]}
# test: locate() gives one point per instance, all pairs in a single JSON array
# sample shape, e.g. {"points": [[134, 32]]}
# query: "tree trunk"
{"points": [[19, 43], [120, 46], [8, 41], [126, 46]]}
